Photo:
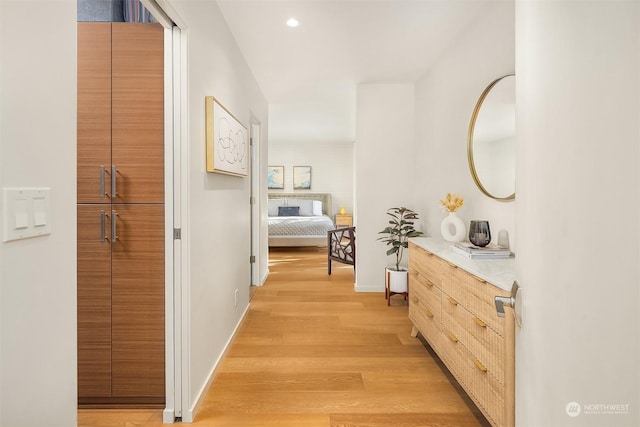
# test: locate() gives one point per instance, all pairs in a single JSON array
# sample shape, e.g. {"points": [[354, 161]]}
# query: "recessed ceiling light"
{"points": [[293, 22]]}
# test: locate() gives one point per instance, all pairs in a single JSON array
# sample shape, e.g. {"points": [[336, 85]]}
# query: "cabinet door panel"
{"points": [[138, 302], [94, 304], [138, 112], [94, 109]]}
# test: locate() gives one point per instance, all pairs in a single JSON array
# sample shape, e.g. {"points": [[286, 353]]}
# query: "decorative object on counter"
{"points": [[452, 227], [474, 252], [503, 239], [479, 233], [396, 235]]}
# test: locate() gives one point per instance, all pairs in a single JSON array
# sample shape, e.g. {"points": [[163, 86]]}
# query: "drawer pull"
{"points": [[479, 279], [414, 299], [452, 301], [424, 280], [429, 314], [479, 322], [452, 337], [479, 365], [452, 265]]}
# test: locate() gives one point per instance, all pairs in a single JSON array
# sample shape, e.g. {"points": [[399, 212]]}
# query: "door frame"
{"points": [[172, 222], [175, 187], [255, 138]]}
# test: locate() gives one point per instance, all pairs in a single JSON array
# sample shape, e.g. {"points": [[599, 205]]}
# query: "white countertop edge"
{"points": [[499, 272]]}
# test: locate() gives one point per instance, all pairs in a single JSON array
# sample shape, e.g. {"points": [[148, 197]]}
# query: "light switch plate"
{"points": [[26, 212]]}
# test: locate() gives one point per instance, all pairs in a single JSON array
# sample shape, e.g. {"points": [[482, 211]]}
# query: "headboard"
{"points": [[327, 209]]}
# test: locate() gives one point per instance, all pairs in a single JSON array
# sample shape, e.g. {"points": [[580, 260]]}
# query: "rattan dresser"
{"points": [[454, 311]]}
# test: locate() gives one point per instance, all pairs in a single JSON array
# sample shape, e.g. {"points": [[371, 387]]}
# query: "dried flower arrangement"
{"points": [[452, 202]]}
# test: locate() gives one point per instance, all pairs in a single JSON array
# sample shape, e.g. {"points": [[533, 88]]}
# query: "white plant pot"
{"points": [[396, 281]]}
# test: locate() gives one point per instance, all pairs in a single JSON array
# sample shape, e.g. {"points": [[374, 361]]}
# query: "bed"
{"points": [[299, 219]]}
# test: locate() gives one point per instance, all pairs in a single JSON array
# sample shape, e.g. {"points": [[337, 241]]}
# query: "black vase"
{"points": [[479, 233]]}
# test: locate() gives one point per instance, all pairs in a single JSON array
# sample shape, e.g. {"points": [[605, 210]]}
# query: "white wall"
{"points": [[445, 99], [577, 211], [38, 276], [331, 168], [384, 172], [218, 233]]}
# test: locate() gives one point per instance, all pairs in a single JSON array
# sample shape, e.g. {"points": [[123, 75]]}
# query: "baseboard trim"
{"points": [[189, 415], [264, 278], [168, 416], [361, 288]]}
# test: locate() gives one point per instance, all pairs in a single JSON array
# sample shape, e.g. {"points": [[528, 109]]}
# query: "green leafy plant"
{"points": [[398, 232]]}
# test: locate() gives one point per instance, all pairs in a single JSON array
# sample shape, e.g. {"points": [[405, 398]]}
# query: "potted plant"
{"points": [[396, 235]]}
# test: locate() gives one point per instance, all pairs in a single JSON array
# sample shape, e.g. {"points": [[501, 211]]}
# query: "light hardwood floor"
{"points": [[313, 353]]}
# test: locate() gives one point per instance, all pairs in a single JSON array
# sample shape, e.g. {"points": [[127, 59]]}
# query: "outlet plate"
{"points": [[236, 297]]}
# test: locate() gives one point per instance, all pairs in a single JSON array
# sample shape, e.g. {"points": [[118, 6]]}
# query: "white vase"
{"points": [[452, 228]]}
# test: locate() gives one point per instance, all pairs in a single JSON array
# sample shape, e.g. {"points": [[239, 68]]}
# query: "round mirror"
{"points": [[492, 135]]}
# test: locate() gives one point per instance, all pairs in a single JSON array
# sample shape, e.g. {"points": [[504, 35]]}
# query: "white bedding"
{"points": [[300, 225], [309, 228]]}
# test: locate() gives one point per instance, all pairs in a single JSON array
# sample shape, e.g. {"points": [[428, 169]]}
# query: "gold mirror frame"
{"points": [[472, 125]]}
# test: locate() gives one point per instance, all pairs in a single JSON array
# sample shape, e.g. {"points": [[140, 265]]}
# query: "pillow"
{"points": [[274, 204], [317, 208], [289, 211], [306, 206]]}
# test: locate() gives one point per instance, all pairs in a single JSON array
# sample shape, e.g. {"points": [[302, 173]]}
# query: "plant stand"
{"points": [[396, 283]]}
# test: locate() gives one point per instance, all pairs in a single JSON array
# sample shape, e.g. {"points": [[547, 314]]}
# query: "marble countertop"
{"points": [[498, 272]]}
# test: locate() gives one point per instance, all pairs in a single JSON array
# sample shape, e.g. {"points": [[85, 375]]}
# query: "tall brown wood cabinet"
{"points": [[121, 335]]}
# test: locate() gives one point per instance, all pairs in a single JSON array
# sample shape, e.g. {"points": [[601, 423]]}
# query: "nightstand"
{"points": [[344, 220]]}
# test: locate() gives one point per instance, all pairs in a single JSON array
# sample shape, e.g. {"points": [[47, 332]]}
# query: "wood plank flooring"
{"points": [[313, 353]]}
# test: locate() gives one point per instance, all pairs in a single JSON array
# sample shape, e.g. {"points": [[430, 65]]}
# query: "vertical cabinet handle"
{"points": [[103, 236], [114, 232], [102, 193], [114, 193]]}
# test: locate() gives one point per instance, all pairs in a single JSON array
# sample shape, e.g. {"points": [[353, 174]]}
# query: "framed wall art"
{"points": [[227, 140], [302, 177], [275, 177]]}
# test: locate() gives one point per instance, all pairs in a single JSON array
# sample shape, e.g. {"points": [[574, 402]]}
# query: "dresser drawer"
{"points": [[426, 323], [425, 308], [476, 295], [482, 387], [482, 342], [425, 295], [427, 264]]}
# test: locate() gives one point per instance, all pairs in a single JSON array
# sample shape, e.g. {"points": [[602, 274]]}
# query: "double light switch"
{"points": [[26, 212]]}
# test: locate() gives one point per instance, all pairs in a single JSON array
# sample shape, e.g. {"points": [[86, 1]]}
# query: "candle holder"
{"points": [[479, 233]]}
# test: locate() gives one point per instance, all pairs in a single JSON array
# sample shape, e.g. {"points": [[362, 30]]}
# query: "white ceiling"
{"points": [[309, 74]]}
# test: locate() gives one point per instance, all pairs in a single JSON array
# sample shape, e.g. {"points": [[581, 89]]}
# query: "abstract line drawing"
{"points": [[227, 141]]}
